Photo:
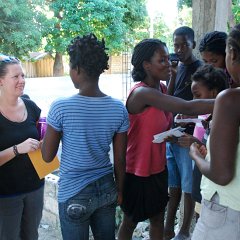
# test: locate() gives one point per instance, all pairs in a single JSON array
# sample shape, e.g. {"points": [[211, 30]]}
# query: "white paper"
{"points": [[177, 132], [187, 120]]}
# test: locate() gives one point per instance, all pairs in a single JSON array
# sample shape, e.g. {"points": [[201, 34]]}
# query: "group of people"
{"points": [[145, 177]]}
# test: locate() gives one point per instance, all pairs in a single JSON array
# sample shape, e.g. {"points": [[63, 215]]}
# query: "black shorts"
{"points": [[145, 197]]}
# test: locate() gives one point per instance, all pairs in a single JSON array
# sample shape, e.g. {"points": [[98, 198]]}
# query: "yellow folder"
{"points": [[43, 168]]}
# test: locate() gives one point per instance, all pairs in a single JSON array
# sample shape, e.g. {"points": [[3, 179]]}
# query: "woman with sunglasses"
{"points": [[21, 190]]}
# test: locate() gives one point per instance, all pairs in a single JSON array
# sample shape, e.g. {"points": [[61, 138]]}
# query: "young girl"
{"points": [[212, 49], [146, 187], [220, 213], [87, 123], [207, 82]]}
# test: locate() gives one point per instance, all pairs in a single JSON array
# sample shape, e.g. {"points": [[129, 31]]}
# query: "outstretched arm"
{"points": [[147, 96]]}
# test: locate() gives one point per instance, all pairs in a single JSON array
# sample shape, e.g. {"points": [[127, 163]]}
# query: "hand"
{"points": [[180, 116], [186, 140], [197, 151], [203, 150], [29, 145], [171, 139], [174, 69]]}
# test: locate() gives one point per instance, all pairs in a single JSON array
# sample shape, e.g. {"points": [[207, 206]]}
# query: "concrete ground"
{"points": [[47, 232]]}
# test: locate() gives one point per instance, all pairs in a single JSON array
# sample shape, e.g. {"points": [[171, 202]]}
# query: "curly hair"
{"points": [[214, 42], [233, 40], [211, 77], [185, 31], [143, 51], [88, 53]]}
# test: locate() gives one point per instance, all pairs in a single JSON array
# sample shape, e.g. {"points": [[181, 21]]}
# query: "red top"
{"points": [[144, 157]]}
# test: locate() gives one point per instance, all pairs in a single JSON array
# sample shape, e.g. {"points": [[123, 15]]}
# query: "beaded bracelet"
{"points": [[15, 150]]}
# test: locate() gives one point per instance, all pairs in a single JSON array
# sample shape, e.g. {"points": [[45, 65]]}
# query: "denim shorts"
{"points": [[217, 222], [93, 206], [180, 167]]}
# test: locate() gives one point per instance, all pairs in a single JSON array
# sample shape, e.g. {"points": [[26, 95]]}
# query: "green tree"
{"points": [[185, 16], [182, 3], [236, 10], [162, 31], [21, 26], [111, 20]]}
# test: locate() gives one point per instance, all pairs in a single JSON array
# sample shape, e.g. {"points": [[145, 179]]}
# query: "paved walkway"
{"points": [[47, 232]]}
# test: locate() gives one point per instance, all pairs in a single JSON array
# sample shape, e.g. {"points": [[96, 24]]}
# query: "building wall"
{"points": [[44, 67], [40, 68]]}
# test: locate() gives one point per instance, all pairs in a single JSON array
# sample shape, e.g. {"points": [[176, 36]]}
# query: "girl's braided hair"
{"points": [[143, 51], [88, 53], [214, 42]]}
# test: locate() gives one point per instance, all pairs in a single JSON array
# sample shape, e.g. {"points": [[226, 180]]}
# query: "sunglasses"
{"points": [[8, 59]]}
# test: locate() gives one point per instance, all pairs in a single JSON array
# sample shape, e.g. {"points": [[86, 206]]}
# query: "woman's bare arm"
{"points": [[146, 96], [50, 144], [224, 139], [119, 154]]}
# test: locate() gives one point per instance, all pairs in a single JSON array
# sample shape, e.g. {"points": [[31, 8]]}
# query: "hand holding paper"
{"points": [[177, 132]]}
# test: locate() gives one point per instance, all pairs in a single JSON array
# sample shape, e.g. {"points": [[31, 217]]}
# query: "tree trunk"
{"points": [[58, 69], [208, 16]]}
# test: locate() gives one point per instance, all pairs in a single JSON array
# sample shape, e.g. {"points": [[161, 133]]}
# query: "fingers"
{"points": [[33, 144]]}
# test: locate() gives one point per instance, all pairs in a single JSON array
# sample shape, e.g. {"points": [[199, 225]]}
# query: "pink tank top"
{"points": [[145, 158]]}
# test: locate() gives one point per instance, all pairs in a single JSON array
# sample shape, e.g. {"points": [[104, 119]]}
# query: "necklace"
{"points": [[10, 119]]}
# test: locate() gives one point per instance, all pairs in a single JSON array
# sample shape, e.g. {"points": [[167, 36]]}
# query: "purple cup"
{"points": [[42, 127]]}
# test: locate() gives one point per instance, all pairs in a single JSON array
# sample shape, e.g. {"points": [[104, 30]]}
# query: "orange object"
{"points": [[43, 168]]}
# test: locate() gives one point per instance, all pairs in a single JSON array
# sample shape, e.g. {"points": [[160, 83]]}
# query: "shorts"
{"points": [[145, 197], [180, 167], [217, 222]]}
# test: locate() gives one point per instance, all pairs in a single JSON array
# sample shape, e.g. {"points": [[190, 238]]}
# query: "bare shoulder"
{"points": [[143, 92], [142, 97], [229, 100], [229, 97]]}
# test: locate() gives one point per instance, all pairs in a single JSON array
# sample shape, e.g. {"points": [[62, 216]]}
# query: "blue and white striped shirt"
{"points": [[88, 125]]}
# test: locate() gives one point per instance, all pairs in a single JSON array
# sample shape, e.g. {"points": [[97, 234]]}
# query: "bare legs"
{"points": [[175, 197], [126, 229], [155, 232], [174, 200]]}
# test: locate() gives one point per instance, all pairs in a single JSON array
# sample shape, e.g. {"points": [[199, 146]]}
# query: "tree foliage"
{"points": [[21, 26], [182, 3], [236, 10], [162, 31], [110, 20], [185, 16]]}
